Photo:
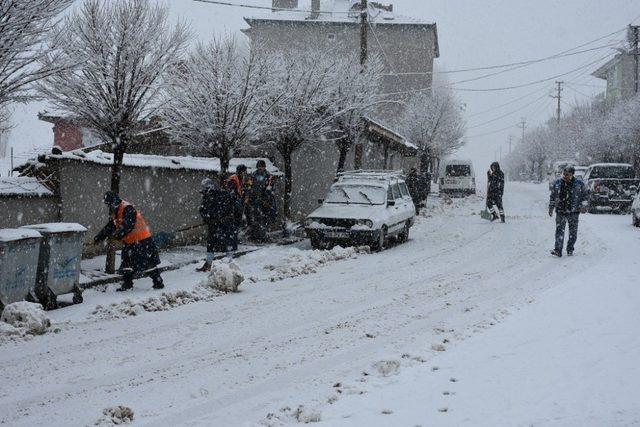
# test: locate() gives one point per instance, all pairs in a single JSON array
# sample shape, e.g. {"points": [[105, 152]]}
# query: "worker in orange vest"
{"points": [[236, 185], [139, 252]]}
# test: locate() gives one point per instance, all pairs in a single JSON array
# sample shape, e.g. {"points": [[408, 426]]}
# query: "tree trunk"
{"points": [[288, 181], [343, 149], [224, 167], [425, 161], [116, 173]]}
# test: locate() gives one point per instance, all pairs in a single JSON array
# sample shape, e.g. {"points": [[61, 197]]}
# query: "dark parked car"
{"points": [[612, 187]]}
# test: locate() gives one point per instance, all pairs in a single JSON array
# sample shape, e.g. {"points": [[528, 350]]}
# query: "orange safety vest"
{"points": [[140, 230]]}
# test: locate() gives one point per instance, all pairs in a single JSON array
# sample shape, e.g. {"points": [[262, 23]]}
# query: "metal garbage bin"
{"points": [[59, 262], [19, 250]]}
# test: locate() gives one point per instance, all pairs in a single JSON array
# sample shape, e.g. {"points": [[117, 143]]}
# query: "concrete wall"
{"points": [[19, 211], [168, 198]]}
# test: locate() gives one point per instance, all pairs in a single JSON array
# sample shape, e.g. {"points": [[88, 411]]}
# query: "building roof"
{"points": [[338, 11], [377, 127], [211, 164], [602, 71], [23, 186]]}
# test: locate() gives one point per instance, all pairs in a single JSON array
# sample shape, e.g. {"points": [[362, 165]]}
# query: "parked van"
{"points": [[457, 178]]}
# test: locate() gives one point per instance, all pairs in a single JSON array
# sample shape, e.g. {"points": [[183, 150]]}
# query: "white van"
{"points": [[457, 178]]}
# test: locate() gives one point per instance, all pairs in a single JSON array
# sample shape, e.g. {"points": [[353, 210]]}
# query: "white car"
{"points": [[363, 207], [580, 171], [635, 211], [457, 177]]}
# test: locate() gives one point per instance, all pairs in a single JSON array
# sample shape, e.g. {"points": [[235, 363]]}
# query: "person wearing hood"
{"points": [[139, 252], [495, 190], [218, 210]]}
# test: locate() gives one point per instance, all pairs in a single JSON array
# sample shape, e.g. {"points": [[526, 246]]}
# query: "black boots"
{"points": [[502, 217], [557, 253], [205, 267]]}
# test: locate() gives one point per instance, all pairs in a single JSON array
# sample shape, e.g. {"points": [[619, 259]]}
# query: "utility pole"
{"points": [[364, 21], [522, 125], [558, 97], [634, 29]]}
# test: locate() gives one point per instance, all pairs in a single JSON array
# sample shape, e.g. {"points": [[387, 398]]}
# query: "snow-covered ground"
{"points": [[468, 323]]}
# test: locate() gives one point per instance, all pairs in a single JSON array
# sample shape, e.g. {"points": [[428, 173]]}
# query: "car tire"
{"points": [[378, 245], [316, 244], [404, 236], [634, 219]]}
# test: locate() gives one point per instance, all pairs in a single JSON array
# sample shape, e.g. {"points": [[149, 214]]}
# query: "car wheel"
{"points": [[635, 219], [316, 243], [378, 245], [404, 236]]}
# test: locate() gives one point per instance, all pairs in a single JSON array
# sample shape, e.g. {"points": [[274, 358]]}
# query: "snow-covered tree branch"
{"points": [[122, 50], [434, 122], [217, 97], [24, 27]]}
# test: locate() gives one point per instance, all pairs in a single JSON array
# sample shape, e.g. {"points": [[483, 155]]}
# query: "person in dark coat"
{"points": [[139, 252], [262, 203], [569, 198], [495, 190], [218, 210], [415, 186]]}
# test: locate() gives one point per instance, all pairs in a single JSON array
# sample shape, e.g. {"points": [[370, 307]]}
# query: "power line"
{"points": [[513, 65], [510, 112], [497, 107]]}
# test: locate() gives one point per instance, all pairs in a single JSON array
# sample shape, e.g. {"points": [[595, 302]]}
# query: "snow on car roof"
{"points": [[15, 234], [626, 165], [362, 182], [23, 186]]}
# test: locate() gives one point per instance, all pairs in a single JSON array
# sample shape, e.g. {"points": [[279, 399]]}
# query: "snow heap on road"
{"points": [[225, 277], [115, 415], [299, 262], [23, 318]]}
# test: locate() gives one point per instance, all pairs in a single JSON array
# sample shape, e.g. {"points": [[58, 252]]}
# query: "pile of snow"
{"points": [[164, 302], [286, 415], [23, 318], [300, 262], [225, 277], [115, 415]]}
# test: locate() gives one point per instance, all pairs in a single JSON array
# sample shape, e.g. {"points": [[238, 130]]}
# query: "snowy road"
{"points": [[278, 344]]}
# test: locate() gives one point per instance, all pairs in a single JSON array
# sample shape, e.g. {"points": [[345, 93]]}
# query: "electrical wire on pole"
{"points": [[559, 98]]}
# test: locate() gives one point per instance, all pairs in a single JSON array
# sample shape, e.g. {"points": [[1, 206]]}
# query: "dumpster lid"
{"points": [[57, 227], [13, 234]]}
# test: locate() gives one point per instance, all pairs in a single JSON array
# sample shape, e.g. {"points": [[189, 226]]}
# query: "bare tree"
{"points": [[122, 50], [217, 98], [355, 95], [24, 27], [434, 122], [304, 83]]}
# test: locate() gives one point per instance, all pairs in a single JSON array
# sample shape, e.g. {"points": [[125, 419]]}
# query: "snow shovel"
{"points": [[485, 214]]}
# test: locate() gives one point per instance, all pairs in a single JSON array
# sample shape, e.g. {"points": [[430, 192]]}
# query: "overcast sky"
{"points": [[471, 33]]}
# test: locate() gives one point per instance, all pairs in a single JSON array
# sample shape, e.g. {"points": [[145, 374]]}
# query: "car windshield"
{"points": [[458, 170], [605, 172], [357, 194]]}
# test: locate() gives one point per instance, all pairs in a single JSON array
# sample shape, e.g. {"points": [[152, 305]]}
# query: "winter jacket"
{"points": [[568, 197], [138, 254], [218, 206], [496, 184]]}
